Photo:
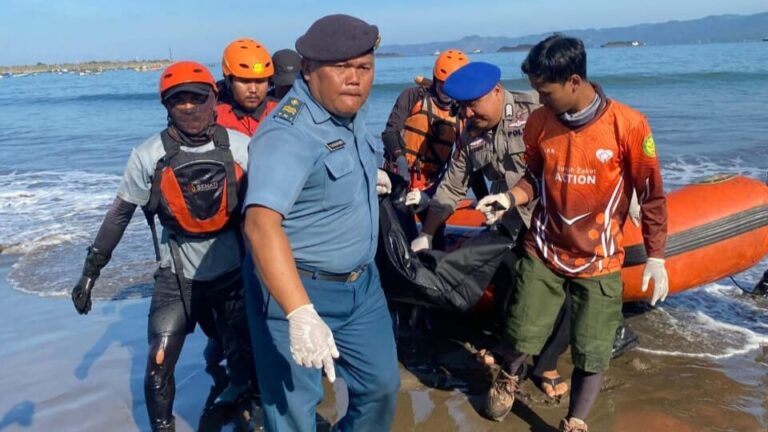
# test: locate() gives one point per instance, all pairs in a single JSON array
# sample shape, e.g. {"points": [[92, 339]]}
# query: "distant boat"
{"points": [[437, 53], [622, 44], [477, 51]]}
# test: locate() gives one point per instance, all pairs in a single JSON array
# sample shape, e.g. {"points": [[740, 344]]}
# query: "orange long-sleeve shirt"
{"points": [[584, 178]]}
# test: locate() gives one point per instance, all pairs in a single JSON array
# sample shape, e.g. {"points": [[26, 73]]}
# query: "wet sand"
{"points": [[63, 372]]}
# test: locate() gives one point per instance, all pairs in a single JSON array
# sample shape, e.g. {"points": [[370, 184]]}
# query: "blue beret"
{"points": [[472, 81], [337, 38]]}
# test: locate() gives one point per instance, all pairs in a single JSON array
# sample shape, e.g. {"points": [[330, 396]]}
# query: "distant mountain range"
{"points": [[712, 29]]}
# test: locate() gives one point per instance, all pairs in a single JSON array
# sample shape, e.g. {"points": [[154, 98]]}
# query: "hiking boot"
{"points": [[501, 396], [573, 425]]}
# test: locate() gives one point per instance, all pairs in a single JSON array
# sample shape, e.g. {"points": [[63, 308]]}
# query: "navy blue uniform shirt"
{"points": [[319, 172]]}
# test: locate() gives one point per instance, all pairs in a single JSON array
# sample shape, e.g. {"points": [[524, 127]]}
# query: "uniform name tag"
{"points": [[477, 144], [335, 145]]}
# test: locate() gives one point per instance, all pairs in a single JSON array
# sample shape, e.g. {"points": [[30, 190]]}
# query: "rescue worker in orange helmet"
{"points": [[243, 101], [199, 251], [421, 131], [422, 126]]}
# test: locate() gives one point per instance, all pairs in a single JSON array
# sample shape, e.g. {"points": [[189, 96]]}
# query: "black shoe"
{"points": [[625, 340], [168, 425], [762, 285]]}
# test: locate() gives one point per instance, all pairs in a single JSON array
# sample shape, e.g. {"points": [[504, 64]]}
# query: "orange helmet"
{"points": [[447, 62], [246, 58], [184, 72]]}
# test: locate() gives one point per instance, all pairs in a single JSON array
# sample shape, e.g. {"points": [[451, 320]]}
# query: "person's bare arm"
{"points": [[273, 258]]}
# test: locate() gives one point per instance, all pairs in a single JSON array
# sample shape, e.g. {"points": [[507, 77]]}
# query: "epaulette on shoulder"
{"points": [[289, 110], [527, 97]]}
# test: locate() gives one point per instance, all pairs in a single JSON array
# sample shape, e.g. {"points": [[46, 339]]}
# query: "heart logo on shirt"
{"points": [[604, 155]]}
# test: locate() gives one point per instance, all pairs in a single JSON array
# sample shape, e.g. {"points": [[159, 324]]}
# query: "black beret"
{"points": [[337, 38]]}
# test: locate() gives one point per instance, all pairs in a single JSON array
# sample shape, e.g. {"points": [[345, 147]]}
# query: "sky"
{"points": [[57, 31]]}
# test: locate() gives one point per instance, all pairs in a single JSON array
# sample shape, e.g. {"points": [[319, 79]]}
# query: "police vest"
{"points": [[196, 194], [429, 134], [245, 123]]}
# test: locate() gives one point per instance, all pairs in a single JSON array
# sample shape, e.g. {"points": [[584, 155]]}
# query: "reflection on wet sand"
{"points": [[443, 385]]}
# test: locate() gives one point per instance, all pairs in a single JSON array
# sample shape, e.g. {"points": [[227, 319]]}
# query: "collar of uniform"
{"points": [[318, 113]]}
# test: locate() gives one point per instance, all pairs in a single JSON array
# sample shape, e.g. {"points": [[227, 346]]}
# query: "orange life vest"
{"points": [[196, 193], [245, 123], [429, 134]]}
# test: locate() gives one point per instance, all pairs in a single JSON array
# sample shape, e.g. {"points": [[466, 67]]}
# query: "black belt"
{"points": [[336, 277]]}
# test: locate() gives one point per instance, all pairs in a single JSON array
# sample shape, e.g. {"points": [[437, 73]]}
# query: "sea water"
{"points": [[65, 139]]}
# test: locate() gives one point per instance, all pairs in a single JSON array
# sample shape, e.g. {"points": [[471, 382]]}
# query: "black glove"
{"points": [[81, 293], [402, 168], [762, 286]]}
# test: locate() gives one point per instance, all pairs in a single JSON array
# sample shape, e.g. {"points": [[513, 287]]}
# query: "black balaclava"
{"points": [[192, 126], [441, 99]]}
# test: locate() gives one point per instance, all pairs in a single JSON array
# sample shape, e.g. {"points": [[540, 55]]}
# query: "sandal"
{"points": [[543, 383]]}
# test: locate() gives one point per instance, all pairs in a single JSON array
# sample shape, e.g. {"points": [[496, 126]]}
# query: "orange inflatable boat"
{"points": [[717, 227]]}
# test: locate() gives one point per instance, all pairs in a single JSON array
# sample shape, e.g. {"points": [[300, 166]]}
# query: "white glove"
{"points": [[493, 207], [413, 197], [654, 269], [417, 200], [634, 209], [383, 185], [312, 343], [422, 242]]}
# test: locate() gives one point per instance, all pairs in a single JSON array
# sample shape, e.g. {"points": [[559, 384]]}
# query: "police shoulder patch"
{"points": [[289, 110], [649, 146]]}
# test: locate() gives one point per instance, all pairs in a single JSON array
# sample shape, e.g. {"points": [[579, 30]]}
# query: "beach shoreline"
{"points": [[67, 372]]}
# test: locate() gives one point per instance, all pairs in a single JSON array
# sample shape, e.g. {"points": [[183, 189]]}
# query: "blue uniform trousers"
{"points": [[358, 316]]}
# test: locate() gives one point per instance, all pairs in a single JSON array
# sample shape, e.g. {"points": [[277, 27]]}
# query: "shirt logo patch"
{"points": [[335, 145], [604, 155], [649, 146]]}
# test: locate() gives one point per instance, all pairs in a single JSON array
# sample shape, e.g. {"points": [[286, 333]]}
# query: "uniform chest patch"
{"points": [[290, 110], [335, 145], [604, 155]]}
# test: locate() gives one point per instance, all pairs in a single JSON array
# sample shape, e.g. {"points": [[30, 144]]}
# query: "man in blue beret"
{"points": [[492, 144], [491, 141], [311, 224]]}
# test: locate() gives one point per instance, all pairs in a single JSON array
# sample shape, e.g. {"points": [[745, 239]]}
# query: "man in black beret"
{"points": [[315, 298]]}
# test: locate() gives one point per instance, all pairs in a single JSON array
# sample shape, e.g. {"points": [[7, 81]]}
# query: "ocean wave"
{"points": [[44, 208], [108, 98], [682, 170], [716, 321], [628, 80]]}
